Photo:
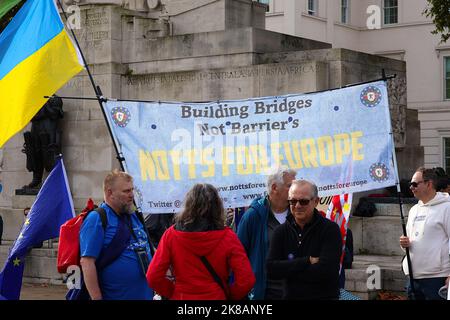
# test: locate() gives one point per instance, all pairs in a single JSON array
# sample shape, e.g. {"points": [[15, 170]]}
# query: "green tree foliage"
{"points": [[7, 17], [439, 12]]}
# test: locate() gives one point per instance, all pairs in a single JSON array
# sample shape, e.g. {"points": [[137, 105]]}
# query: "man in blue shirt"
{"points": [[124, 278]]}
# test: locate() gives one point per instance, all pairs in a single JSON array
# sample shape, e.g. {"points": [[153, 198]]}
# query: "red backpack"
{"points": [[69, 240]]}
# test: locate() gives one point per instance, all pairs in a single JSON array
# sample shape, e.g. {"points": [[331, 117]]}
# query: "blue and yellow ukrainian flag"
{"points": [[37, 58]]}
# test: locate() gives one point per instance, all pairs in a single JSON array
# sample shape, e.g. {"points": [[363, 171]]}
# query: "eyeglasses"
{"points": [[303, 202], [415, 184]]}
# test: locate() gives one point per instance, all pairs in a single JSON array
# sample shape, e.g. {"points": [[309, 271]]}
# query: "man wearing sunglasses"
{"points": [[256, 227], [428, 231], [305, 251]]}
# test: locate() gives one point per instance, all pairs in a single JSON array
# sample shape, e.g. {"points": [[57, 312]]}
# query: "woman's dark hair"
{"points": [[203, 209]]}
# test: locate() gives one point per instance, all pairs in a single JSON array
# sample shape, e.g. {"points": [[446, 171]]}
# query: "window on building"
{"points": [[344, 11], [447, 155], [312, 7], [390, 11], [264, 2], [447, 77]]}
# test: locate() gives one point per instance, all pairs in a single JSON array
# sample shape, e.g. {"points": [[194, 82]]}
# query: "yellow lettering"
{"points": [[162, 165], [226, 160], [147, 166], [244, 164], [259, 157], [326, 154], [309, 152], [175, 155], [207, 160], [155, 162], [276, 154], [296, 161], [191, 163], [344, 149], [356, 146]]}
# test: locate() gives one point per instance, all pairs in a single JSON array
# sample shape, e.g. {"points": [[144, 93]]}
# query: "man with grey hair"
{"points": [[256, 228], [305, 251]]}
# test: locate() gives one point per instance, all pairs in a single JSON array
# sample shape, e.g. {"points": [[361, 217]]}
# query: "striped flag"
{"points": [[339, 212], [37, 58]]}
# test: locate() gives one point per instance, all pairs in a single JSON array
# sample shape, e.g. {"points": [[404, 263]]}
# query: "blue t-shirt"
{"points": [[123, 279]]}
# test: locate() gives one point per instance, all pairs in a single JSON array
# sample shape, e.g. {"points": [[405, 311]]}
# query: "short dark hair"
{"points": [[442, 179], [429, 175]]}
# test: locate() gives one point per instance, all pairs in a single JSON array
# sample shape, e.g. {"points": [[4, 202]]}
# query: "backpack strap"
{"points": [[117, 245], [103, 217], [213, 274], [102, 213], [108, 255], [142, 220]]}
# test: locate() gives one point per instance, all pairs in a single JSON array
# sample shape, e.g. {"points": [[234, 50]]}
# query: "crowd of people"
{"points": [[283, 247]]}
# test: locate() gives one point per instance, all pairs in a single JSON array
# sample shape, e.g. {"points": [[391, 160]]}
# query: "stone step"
{"points": [[392, 209], [40, 265], [13, 180], [51, 281], [378, 235], [388, 262], [12, 223], [360, 280], [22, 202]]}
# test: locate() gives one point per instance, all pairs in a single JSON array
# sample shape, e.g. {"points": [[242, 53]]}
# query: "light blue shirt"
{"points": [[123, 279]]}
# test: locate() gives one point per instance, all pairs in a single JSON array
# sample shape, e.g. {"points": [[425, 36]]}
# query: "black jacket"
{"points": [[289, 258]]}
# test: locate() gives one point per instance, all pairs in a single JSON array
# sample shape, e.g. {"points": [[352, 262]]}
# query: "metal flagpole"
{"points": [[400, 202], [98, 93]]}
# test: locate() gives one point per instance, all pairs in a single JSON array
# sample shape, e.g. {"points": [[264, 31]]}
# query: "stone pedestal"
{"points": [[214, 50], [129, 60], [379, 235]]}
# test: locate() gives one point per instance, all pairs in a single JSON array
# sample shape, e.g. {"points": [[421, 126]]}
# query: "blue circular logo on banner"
{"points": [[379, 172], [371, 96], [121, 116]]}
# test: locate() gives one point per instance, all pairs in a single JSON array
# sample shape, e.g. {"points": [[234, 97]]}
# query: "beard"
{"points": [[126, 208]]}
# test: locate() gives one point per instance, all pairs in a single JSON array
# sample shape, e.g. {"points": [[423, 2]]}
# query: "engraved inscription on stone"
{"points": [[97, 35], [95, 19], [224, 75]]}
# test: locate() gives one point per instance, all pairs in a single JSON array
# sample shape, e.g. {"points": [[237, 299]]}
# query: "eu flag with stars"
{"points": [[53, 206]]}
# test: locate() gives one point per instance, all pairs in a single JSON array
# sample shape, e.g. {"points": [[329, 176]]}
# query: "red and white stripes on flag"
{"points": [[339, 212]]}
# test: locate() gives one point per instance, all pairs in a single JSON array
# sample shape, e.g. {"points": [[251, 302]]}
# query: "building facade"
{"points": [[392, 28]]}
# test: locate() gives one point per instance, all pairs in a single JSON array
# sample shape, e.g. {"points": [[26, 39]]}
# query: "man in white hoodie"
{"points": [[428, 231]]}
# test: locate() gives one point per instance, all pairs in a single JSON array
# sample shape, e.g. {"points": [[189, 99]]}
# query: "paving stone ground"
{"points": [[57, 292], [42, 292]]}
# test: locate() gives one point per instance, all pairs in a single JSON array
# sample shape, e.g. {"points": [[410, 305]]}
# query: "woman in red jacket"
{"points": [[177, 271]]}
